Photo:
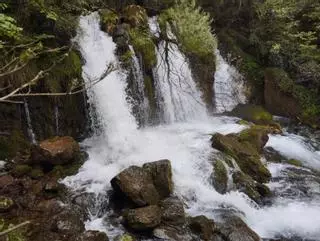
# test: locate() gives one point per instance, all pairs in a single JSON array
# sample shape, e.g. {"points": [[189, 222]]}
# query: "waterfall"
{"points": [[138, 89], [56, 118], [31, 134], [186, 143], [228, 86], [180, 99]]}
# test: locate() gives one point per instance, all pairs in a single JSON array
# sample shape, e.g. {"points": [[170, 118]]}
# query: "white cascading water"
{"points": [[139, 88], [31, 134], [186, 144], [228, 86], [180, 100]]}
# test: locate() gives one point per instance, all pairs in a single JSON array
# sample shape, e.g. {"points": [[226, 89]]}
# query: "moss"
{"points": [[15, 235], [66, 74], [294, 162], [11, 145], [254, 113], [125, 237], [36, 173], [126, 57], [245, 154], [5, 203], [135, 15], [307, 99], [21, 170], [143, 43], [109, 20], [62, 171], [220, 178]]}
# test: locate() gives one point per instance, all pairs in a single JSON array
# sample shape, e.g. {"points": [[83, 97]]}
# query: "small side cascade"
{"points": [[228, 86], [177, 93], [142, 102], [31, 134]]}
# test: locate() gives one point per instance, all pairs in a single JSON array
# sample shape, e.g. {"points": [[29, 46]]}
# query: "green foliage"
{"points": [[15, 235], [8, 26], [191, 26], [143, 43], [40, 5], [109, 19], [136, 15], [308, 99]]}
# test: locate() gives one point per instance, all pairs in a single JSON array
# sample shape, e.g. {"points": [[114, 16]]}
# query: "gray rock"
{"points": [[144, 218], [172, 211]]}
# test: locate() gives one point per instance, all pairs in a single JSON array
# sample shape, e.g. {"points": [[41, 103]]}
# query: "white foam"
{"points": [[295, 147]]}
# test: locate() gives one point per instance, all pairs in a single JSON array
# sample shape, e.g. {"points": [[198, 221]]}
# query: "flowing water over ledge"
{"points": [[183, 139]]}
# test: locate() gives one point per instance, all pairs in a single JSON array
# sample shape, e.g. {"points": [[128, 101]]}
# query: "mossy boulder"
{"points": [[257, 136], [253, 113], [144, 218], [220, 177], [245, 154], [93, 236], [245, 184], [294, 162]]}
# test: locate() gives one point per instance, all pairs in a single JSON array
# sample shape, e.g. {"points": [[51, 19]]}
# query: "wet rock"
{"points": [[161, 175], [6, 180], [220, 177], [244, 153], [144, 218], [172, 233], [253, 113], [56, 151], [257, 136], [202, 226], [136, 184], [234, 229], [93, 236], [172, 211], [6, 204], [145, 185], [255, 191], [70, 220]]}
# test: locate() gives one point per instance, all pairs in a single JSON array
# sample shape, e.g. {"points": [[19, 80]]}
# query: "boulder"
{"points": [[56, 151], [202, 226], [6, 204], [145, 185], [161, 175], [172, 233], [253, 113], [257, 136], [137, 185], [70, 220], [245, 154], [144, 218], [172, 211], [93, 236], [6, 180], [247, 185], [220, 177], [234, 229]]}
